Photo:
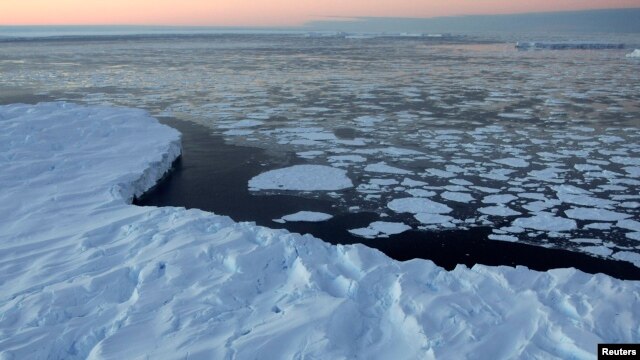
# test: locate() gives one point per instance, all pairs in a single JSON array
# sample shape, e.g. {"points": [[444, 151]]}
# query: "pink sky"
{"points": [[264, 12]]}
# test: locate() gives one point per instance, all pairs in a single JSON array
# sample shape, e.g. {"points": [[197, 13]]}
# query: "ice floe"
{"points": [[430, 219], [629, 224], [384, 168], [416, 205], [380, 229], [595, 214], [242, 124], [546, 222], [513, 162], [498, 199], [302, 178], [509, 238], [307, 216], [457, 196], [499, 210]]}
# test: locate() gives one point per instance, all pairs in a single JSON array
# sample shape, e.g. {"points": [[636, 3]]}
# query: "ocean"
{"points": [[459, 148]]}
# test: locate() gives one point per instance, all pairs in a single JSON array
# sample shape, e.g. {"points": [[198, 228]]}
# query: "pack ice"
{"points": [[84, 274]]}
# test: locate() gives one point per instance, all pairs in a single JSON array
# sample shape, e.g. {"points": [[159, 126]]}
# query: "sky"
{"points": [[259, 13]]}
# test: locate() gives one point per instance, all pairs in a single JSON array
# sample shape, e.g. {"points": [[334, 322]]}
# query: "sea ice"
{"points": [[302, 178], [629, 224], [595, 214], [380, 229], [238, 132], [307, 216], [412, 183], [597, 250], [418, 205], [384, 168], [347, 158], [498, 199], [427, 218], [487, 190], [633, 235], [584, 200], [533, 196], [509, 238], [546, 222], [513, 162], [242, 124], [598, 226], [498, 211], [537, 206], [457, 196], [421, 193], [368, 121], [440, 173], [628, 256]]}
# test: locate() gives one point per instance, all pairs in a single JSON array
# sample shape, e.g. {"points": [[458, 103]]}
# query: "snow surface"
{"points": [[302, 178], [84, 274]]}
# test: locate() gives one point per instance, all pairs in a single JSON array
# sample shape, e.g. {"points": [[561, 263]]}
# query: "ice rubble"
{"points": [[83, 274]]}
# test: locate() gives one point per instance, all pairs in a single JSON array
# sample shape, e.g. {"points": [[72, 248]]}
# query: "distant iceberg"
{"points": [[567, 45], [634, 54]]}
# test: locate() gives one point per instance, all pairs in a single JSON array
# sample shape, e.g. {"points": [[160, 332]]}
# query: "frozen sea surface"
{"points": [[85, 274], [452, 122]]}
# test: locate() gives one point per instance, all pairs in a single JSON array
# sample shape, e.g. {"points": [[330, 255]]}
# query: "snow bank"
{"points": [[83, 274]]}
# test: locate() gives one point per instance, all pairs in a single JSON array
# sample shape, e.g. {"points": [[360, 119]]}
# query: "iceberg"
{"points": [[85, 274], [634, 54]]}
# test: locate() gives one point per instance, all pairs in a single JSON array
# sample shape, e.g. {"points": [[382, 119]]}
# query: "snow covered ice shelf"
{"points": [[84, 274]]}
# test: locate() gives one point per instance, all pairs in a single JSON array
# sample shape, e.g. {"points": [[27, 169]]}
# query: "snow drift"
{"points": [[84, 274]]}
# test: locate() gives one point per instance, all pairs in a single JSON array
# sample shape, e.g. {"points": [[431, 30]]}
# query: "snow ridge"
{"points": [[83, 274]]}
